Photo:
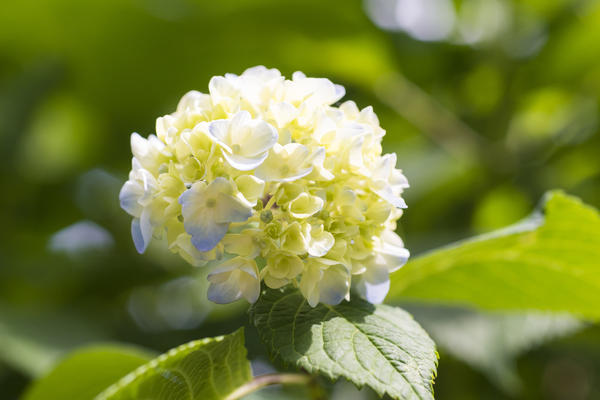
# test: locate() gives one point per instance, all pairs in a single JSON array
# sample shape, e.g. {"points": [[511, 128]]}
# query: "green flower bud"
{"points": [[266, 216]]}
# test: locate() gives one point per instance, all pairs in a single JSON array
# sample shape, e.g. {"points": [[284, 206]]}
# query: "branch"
{"points": [[261, 381]]}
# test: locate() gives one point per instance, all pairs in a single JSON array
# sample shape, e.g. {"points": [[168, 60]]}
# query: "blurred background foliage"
{"points": [[488, 103]]}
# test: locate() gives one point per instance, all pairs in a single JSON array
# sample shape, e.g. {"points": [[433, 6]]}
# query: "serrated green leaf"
{"points": [[379, 346], [204, 369], [86, 372], [550, 261]]}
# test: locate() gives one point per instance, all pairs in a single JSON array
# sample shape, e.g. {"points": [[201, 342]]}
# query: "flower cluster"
{"points": [[269, 181]]}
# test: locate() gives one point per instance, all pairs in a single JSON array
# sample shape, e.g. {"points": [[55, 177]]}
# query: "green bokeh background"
{"points": [[487, 113]]}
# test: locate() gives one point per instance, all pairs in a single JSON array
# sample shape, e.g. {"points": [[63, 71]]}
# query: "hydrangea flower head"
{"points": [[265, 179]]}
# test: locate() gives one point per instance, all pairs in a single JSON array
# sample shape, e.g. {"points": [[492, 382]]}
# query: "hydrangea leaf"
{"points": [[375, 345], [549, 261], [204, 369], [86, 372]]}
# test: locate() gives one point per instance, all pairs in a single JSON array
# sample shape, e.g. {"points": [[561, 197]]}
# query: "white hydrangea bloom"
{"points": [[267, 180]]}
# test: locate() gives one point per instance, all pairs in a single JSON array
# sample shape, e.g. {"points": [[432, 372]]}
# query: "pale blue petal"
{"points": [[333, 286], [206, 236], [198, 221], [374, 292], [332, 297], [146, 226], [138, 238], [223, 293], [340, 92], [374, 284]]}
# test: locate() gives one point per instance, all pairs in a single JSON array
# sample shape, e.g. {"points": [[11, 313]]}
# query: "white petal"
{"points": [[139, 146], [374, 284], [250, 288], [308, 283], [340, 92], [384, 190], [220, 185], [355, 154], [334, 285], [193, 100], [240, 120], [320, 243], [294, 177], [283, 113], [262, 139], [233, 279], [305, 205], [129, 195], [224, 293], [386, 164], [230, 209], [146, 226], [219, 130], [251, 187], [393, 251], [242, 163], [220, 87], [298, 154]]}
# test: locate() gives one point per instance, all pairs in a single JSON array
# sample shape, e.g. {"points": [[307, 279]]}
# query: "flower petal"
{"points": [[320, 242], [138, 238], [220, 87], [305, 205], [233, 279], [129, 195], [225, 292], [263, 137], [219, 130], [334, 285], [374, 284], [251, 187], [243, 163], [230, 209]]}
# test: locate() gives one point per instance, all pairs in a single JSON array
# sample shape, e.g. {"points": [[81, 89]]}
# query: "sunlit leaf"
{"points": [[378, 346], [550, 261], [204, 369]]}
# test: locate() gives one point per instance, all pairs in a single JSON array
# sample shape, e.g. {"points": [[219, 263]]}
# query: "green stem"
{"points": [[261, 381], [270, 202]]}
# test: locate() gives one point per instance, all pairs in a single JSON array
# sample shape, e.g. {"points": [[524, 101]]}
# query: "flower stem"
{"points": [[261, 381]]}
